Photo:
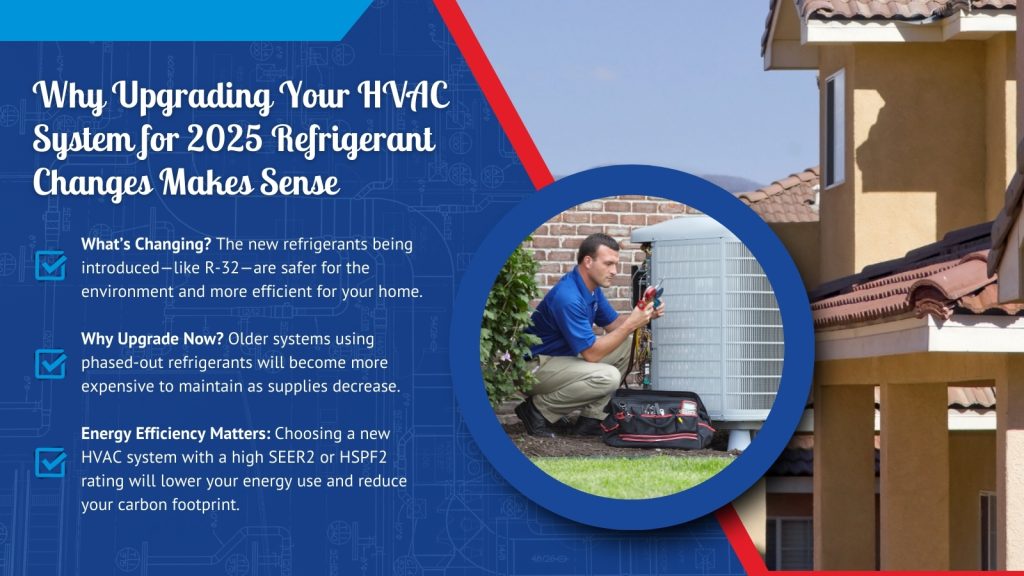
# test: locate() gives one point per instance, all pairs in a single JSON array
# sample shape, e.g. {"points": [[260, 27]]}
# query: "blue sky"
{"points": [[673, 83]]}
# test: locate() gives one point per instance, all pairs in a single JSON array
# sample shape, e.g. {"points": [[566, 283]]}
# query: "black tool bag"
{"points": [[657, 419]]}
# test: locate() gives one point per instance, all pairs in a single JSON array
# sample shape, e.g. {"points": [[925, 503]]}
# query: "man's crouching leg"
{"points": [[566, 383], [587, 424]]}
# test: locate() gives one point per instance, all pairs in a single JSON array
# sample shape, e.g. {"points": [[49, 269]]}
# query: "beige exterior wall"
{"points": [[1019, 65], [972, 457], [1001, 107], [914, 492], [1011, 267], [926, 145], [920, 458], [837, 210], [751, 508], [1010, 462], [844, 477], [802, 240]]}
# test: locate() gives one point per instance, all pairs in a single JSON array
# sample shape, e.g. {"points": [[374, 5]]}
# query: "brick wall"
{"points": [[555, 243]]}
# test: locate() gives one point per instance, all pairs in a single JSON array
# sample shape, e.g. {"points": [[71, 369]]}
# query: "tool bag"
{"points": [[657, 419]]}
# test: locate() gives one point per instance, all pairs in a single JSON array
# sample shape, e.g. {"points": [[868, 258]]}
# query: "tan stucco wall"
{"points": [[919, 144], [1020, 74], [844, 477], [1000, 106], [972, 468], [751, 509], [802, 241], [926, 145], [914, 477], [1010, 462], [837, 203]]}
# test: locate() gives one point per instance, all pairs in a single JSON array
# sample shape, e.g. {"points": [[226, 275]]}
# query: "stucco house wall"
{"points": [[927, 147]]}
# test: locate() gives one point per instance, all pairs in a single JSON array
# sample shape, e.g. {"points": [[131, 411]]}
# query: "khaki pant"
{"points": [[567, 383]]}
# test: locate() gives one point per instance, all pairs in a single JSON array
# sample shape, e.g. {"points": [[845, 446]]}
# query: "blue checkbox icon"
{"points": [[50, 363], [50, 265], [50, 462]]}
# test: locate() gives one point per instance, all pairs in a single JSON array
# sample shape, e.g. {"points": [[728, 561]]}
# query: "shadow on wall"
{"points": [[803, 241], [926, 144]]}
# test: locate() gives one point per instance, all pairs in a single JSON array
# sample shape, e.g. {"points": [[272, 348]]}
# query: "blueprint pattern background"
{"points": [[457, 516]]}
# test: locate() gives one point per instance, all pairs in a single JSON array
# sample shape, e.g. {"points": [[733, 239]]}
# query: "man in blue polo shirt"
{"points": [[575, 369]]}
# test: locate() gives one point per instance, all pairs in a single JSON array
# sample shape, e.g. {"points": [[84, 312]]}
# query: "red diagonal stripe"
{"points": [[740, 541], [495, 93]]}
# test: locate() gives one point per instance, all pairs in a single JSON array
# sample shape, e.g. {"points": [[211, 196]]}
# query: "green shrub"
{"points": [[503, 339]]}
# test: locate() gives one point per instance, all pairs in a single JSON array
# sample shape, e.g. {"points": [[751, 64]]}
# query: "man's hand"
{"points": [[639, 317], [620, 330]]}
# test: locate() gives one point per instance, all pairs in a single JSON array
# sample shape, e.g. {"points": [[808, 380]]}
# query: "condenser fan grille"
{"points": [[722, 335]]}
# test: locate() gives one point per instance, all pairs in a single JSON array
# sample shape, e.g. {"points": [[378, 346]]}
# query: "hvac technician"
{"points": [[574, 368]]}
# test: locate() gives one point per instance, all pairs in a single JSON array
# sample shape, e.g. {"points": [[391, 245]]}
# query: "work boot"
{"points": [[535, 422], [563, 426], [587, 427]]}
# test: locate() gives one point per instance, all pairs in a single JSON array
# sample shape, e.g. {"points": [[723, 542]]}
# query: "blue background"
{"points": [[183, 20], [458, 516]]}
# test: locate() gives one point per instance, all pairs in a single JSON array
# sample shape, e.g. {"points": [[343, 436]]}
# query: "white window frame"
{"points": [[775, 523], [834, 169]]}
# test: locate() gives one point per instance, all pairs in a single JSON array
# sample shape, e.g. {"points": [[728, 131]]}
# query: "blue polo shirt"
{"points": [[565, 318]]}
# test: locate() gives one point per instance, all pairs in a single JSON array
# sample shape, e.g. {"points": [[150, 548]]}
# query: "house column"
{"points": [[753, 511], [914, 477], [844, 477], [1010, 463]]}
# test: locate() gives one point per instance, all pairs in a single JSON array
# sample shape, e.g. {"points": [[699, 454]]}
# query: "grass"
{"points": [[632, 478]]}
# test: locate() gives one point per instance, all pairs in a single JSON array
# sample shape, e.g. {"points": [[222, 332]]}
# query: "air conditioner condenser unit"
{"points": [[721, 335]]}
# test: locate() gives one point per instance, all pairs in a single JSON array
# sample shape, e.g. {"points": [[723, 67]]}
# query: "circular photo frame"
{"points": [[734, 479]]}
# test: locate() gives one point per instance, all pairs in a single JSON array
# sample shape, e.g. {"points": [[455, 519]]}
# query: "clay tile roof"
{"points": [[881, 10], [893, 9], [794, 462], [792, 199], [977, 399], [949, 276], [798, 458]]}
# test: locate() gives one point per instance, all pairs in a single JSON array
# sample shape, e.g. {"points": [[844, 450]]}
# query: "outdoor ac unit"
{"points": [[721, 335]]}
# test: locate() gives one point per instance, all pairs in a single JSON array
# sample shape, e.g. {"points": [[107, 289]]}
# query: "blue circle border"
{"points": [[738, 476]]}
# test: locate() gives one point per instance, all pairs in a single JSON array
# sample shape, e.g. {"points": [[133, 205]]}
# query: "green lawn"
{"points": [[632, 478]]}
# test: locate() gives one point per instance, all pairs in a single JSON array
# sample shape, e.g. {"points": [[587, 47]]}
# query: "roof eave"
{"points": [[960, 333], [785, 53], [974, 25]]}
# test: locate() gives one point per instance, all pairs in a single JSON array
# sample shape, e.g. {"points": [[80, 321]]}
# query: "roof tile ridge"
{"points": [[861, 315], [782, 185], [907, 275], [858, 296], [941, 280]]}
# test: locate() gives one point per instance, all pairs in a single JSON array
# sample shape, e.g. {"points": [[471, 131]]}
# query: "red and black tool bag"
{"points": [[657, 419]]}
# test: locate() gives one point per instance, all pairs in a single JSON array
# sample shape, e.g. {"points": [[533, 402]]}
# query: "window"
{"points": [[790, 544], [989, 556], [835, 129]]}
